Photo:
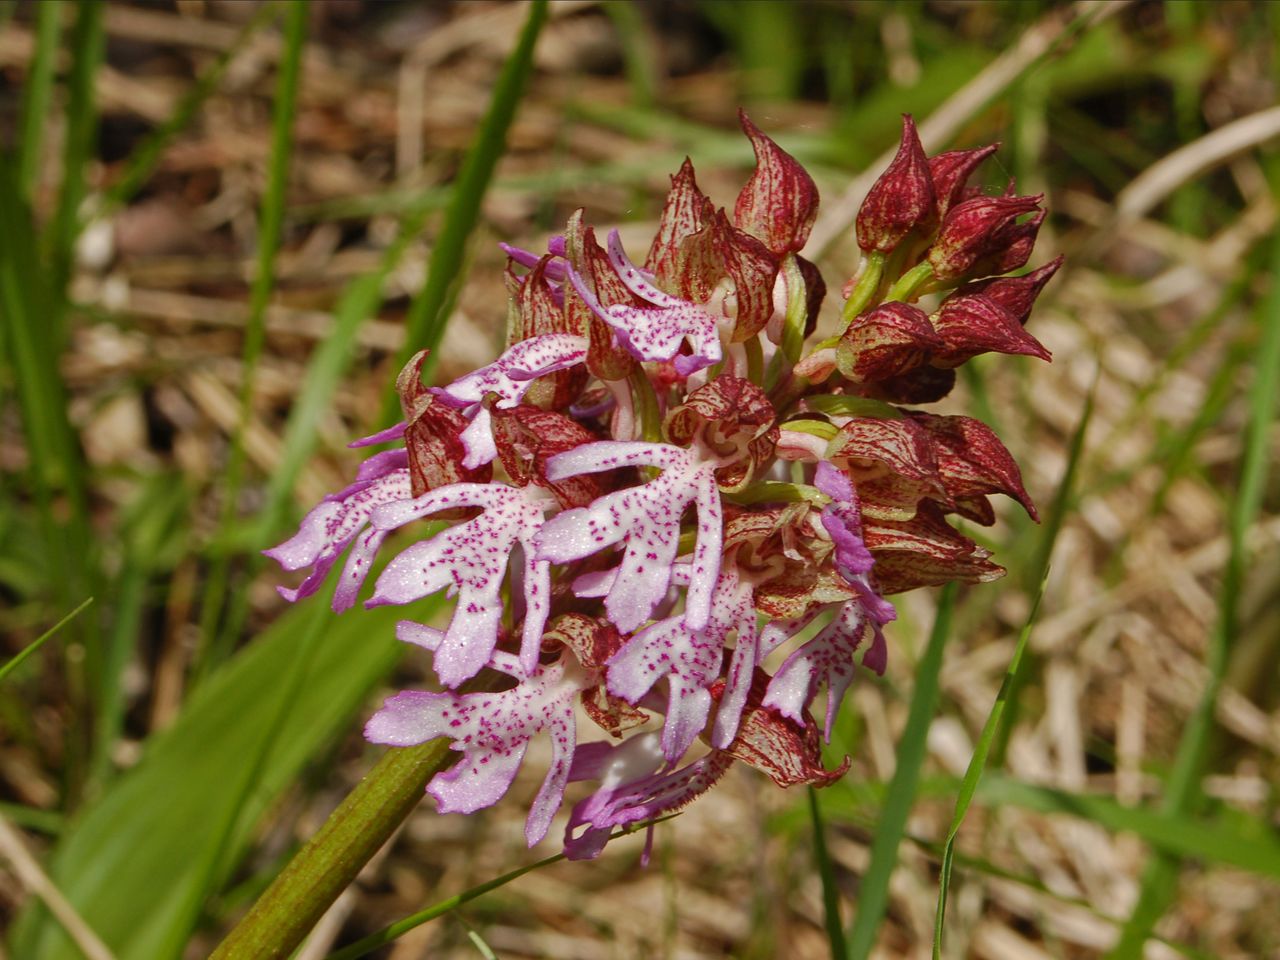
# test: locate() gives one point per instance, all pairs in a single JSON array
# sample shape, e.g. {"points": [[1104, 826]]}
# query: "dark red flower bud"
{"points": [[886, 342], [686, 211], [892, 461], [979, 229], [971, 324], [1015, 295], [433, 435], [527, 437], [972, 461], [780, 201], [731, 416], [903, 197], [606, 358], [925, 551], [921, 385], [951, 171], [1014, 251], [721, 250], [538, 310], [785, 750]]}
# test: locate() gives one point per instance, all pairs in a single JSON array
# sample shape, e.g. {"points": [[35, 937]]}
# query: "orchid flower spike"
{"points": [[660, 484]]}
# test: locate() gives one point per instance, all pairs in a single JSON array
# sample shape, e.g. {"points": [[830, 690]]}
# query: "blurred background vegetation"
{"points": [[216, 220]]}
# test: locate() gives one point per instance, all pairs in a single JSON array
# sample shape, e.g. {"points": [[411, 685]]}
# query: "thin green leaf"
{"points": [[142, 162], [88, 41], [214, 646], [57, 475], [37, 93], [1182, 791], [430, 309], [33, 818], [830, 891], [39, 641], [398, 929], [133, 864], [977, 763], [874, 897], [1256, 849], [325, 370], [387, 934]]}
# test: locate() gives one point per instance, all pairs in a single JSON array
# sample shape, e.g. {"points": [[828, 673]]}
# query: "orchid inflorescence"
{"points": [[657, 486]]}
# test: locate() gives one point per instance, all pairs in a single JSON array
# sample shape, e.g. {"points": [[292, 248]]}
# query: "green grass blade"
{"points": [[87, 42], [874, 897], [220, 855], [638, 52], [1240, 840], [430, 310], [973, 773], [387, 934], [214, 646], [39, 641], [1255, 849], [142, 162], [391, 932], [325, 370], [56, 472], [37, 93], [133, 864], [1182, 790], [830, 891]]}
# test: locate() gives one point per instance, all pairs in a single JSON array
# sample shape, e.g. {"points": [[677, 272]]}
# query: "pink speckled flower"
{"points": [[664, 512]]}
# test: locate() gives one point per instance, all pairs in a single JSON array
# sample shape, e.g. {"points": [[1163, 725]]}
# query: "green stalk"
{"points": [[865, 288], [330, 861], [908, 285], [874, 898], [213, 648], [1182, 792], [88, 41], [37, 93], [830, 891], [391, 932], [647, 413]]}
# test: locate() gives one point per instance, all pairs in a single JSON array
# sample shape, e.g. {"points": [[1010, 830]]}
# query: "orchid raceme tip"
{"points": [[674, 521]]}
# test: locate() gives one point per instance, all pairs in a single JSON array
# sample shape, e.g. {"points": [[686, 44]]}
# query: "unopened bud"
{"points": [[982, 229], [902, 199], [886, 342], [780, 201], [1015, 295], [951, 171]]}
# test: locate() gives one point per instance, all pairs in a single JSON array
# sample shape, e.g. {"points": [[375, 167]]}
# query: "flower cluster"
{"points": [[661, 486]]}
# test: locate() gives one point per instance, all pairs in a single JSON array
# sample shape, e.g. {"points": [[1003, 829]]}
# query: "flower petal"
{"points": [[647, 517], [331, 526], [492, 731], [472, 559]]}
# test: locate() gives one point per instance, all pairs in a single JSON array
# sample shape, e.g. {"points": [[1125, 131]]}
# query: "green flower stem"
{"points": [[647, 412], [284, 915], [865, 288], [909, 284], [797, 309]]}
